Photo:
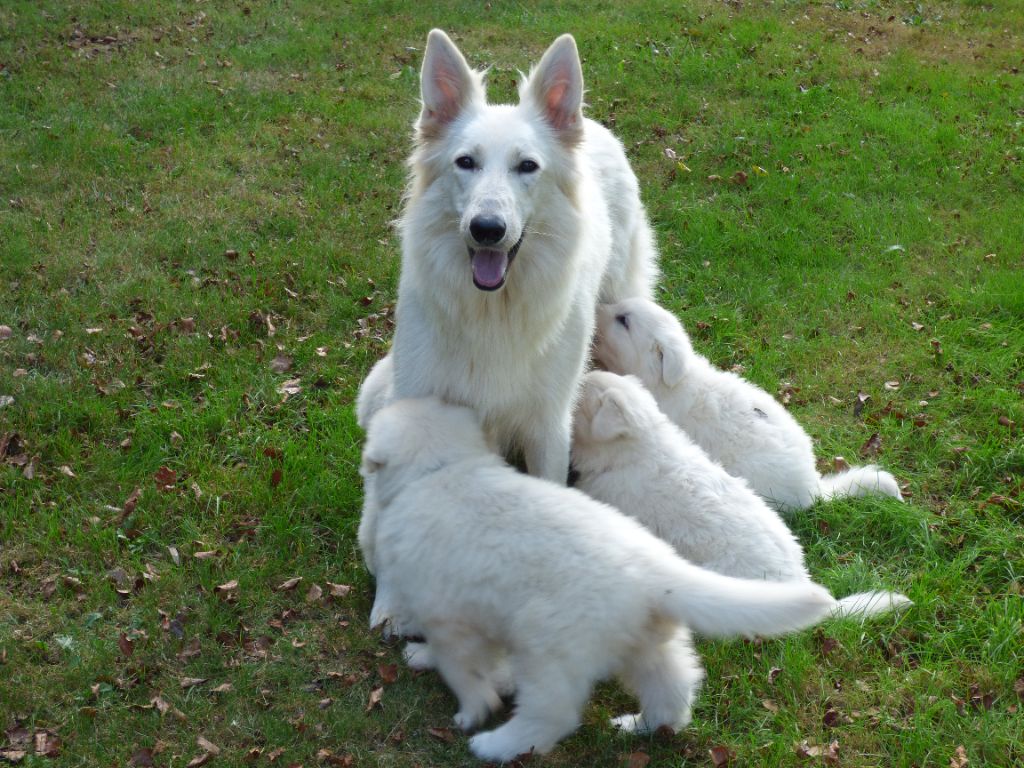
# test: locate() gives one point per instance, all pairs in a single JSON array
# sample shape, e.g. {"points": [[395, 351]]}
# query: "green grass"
{"points": [[140, 142]]}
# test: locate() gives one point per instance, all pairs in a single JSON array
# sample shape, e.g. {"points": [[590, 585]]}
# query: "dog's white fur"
{"points": [[490, 562], [516, 353], [628, 454], [738, 424]]}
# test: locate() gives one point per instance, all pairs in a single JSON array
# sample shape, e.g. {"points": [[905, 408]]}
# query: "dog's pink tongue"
{"points": [[489, 267]]}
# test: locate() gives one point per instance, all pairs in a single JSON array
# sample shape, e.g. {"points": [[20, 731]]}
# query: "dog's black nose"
{"points": [[487, 230]]}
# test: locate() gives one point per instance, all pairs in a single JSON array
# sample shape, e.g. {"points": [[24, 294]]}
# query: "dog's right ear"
{"points": [[613, 418], [447, 85]]}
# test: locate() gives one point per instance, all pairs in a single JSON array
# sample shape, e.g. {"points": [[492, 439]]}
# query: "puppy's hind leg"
{"points": [[464, 660], [666, 676], [548, 706]]}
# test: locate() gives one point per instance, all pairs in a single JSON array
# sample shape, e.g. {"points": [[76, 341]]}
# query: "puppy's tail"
{"points": [[866, 604], [859, 481], [721, 606]]}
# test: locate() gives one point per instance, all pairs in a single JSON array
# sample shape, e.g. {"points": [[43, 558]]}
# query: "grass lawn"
{"points": [[197, 266]]}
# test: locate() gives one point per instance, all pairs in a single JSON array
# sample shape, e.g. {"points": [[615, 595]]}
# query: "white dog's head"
{"points": [[411, 438], [496, 176], [637, 337], [612, 407]]}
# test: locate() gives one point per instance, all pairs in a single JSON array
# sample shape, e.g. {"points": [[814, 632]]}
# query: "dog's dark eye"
{"points": [[623, 320], [465, 162], [527, 166]]}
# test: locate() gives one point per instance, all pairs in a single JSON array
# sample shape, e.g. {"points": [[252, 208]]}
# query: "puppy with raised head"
{"points": [[493, 564], [628, 454], [738, 424]]}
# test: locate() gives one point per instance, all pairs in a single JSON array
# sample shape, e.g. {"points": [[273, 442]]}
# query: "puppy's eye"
{"points": [[623, 320], [465, 162], [527, 166]]}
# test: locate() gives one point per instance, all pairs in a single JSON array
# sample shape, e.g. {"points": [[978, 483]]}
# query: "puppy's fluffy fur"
{"points": [[505, 328], [490, 562], [628, 454], [739, 425]]}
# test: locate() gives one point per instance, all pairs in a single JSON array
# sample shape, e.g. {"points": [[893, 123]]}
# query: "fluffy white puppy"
{"points": [[628, 454], [738, 424], [494, 564]]}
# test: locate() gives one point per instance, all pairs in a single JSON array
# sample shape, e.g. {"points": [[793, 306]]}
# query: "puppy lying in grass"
{"points": [[628, 454], [497, 566], [739, 425]]}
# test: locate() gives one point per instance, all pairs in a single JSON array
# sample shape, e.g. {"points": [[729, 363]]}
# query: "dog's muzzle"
{"points": [[490, 265]]}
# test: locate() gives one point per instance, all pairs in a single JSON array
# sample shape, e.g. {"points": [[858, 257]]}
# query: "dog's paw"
{"points": [[491, 745], [419, 656], [631, 723]]}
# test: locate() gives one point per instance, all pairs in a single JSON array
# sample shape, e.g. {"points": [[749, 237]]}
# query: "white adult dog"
{"points": [[518, 219], [738, 424], [496, 565], [628, 454]]}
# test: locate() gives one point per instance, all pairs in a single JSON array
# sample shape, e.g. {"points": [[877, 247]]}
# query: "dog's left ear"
{"points": [[613, 419], [556, 87]]}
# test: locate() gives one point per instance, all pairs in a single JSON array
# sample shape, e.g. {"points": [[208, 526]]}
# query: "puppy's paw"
{"points": [[631, 723], [419, 656], [496, 747]]}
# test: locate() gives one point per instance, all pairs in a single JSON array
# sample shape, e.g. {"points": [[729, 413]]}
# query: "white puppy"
{"points": [[491, 562], [628, 454], [739, 425]]}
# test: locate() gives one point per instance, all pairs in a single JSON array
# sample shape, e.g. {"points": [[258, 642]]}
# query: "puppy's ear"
{"points": [[372, 462], [671, 357], [613, 419], [555, 87], [447, 85]]}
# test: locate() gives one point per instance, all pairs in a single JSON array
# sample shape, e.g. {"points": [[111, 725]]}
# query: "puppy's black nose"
{"points": [[487, 230]]}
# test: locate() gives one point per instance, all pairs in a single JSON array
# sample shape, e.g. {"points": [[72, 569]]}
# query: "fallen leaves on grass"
{"points": [[388, 673], [281, 364], [126, 645], [47, 743], [721, 755], [338, 590], [959, 758], [192, 682], [770, 705], [289, 388], [375, 696], [288, 584], [165, 479], [828, 754], [329, 758], [442, 734], [636, 760], [142, 758], [314, 594], [5, 332], [872, 446]]}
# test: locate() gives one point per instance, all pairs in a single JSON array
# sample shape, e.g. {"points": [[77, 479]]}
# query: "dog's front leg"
{"points": [[547, 454]]}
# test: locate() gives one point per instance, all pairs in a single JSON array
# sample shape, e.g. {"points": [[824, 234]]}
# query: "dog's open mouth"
{"points": [[490, 266]]}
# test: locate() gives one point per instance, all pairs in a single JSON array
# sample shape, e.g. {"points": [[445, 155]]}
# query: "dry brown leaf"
{"points": [[203, 743], [192, 682], [637, 760], [273, 754], [338, 590], [224, 688], [375, 696], [314, 594], [141, 758], [871, 446], [290, 387], [165, 478], [227, 586], [388, 673], [5, 332], [721, 755], [281, 364], [127, 646], [442, 734], [840, 464], [770, 705], [47, 743], [959, 758], [289, 584], [199, 760]]}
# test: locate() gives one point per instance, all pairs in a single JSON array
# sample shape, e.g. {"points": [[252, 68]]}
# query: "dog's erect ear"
{"points": [[447, 84], [614, 418], [556, 88]]}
